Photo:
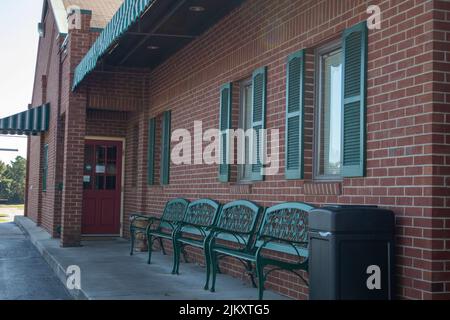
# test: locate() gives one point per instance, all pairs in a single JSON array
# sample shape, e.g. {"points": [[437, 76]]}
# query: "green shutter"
{"points": [[354, 101], [151, 152], [295, 89], [45, 168], [165, 148], [225, 124], [259, 80]]}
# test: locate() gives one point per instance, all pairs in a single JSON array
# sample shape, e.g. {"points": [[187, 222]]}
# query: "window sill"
{"points": [[323, 188], [241, 188]]}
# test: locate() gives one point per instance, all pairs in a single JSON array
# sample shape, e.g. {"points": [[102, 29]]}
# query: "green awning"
{"points": [[123, 19], [30, 122]]}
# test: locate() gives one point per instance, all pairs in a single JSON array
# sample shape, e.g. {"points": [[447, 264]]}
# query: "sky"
{"points": [[19, 40]]}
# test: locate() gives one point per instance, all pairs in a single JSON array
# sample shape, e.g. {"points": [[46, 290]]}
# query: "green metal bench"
{"points": [[200, 217], [158, 228], [237, 223], [284, 229]]}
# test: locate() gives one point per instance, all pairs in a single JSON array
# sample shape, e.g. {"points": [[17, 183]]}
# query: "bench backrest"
{"points": [[286, 222], [239, 216], [175, 210], [202, 213]]}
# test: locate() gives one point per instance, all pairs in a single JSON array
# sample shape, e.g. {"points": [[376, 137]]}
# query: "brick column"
{"points": [[72, 198], [75, 130]]}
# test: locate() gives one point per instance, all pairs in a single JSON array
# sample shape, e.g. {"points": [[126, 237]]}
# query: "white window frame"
{"points": [[319, 53]]}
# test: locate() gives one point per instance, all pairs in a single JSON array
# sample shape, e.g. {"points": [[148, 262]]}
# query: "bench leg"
{"points": [[162, 246], [214, 269], [132, 241], [150, 248], [208, 266], [180, 251], [176, 257], [260, 275]]}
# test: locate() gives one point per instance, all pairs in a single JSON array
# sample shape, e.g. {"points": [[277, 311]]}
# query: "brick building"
{"points": [[367, 115]]}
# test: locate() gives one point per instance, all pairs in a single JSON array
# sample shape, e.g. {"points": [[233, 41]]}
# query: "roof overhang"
{"points": [[60, 13], [31, 122], [144, 33]]}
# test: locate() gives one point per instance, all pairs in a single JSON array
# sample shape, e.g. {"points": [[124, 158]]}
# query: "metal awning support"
{"points": [[30, 122]]}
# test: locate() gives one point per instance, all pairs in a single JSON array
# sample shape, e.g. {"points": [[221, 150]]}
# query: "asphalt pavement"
{"points": [[24, 274]]}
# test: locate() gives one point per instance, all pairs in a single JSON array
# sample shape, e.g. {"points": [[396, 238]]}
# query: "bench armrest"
{"points": [[240, 237], [182, 225], [270, 239], [267, 241], [142, 218]]}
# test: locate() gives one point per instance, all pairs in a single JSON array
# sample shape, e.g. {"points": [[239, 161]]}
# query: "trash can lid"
{"points": [[345, 218]]}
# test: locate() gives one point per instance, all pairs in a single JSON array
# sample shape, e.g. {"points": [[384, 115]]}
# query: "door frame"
{"points": [[122, 187]]}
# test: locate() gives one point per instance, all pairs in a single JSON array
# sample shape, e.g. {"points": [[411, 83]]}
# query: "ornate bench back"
{"points": [[202, 213], [286, 222], [239, 216], [175, 210]]}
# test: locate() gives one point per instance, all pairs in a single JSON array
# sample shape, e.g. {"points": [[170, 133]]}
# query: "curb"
{"points": [[27, 226]]}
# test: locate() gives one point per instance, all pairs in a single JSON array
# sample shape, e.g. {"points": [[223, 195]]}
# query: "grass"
{"points": [[12, 206], [4, 218]]}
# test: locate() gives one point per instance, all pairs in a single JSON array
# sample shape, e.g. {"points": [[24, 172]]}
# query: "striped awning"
{"points": [[124, 18], [30, 122]]}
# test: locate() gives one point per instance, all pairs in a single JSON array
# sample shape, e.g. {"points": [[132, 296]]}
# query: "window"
{"points": [[245, 123], [329, 112]]}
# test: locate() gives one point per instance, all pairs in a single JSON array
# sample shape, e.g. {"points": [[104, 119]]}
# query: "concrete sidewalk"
{"points": [[108, 272]]}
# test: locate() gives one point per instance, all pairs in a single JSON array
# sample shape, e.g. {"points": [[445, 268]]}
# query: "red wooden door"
{"points": [[102, 183]]}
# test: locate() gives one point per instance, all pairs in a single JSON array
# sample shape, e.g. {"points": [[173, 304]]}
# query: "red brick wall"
{"points": [[407, 159], [41, 205], [106, 123], [401, 141], [440, 234]]}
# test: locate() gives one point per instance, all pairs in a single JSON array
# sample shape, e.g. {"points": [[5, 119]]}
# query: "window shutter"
{"points": [[294, 116], [259, 121], [165, 152], [151, 152], [225, 124], [45, 168], [354, 101]]}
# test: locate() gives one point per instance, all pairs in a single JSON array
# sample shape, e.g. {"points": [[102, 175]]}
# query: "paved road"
{"points": [[24, 275]]}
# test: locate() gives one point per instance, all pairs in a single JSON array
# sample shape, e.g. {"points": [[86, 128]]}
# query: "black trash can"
{"points": [[351, 253]]}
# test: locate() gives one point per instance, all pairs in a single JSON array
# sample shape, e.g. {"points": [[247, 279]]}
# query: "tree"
{"points": [[12, 180]]}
